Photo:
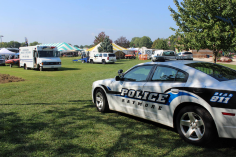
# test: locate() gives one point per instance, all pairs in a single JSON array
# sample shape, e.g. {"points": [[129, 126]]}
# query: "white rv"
{"points": [[40, 57]]}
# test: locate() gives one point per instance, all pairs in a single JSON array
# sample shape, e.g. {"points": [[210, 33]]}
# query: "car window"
{"points": [[216, 71], [164, 74], [139, 73], [104, 55], [168, 53], [111, 55], [187, 53], [180, 77], [100, 55], [96, 55]]}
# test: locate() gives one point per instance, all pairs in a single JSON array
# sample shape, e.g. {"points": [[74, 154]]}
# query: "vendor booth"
{"points": [[118, 50], [65, 49]]}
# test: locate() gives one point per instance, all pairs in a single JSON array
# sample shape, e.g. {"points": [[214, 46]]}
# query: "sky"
{"points": [[78, 21]]}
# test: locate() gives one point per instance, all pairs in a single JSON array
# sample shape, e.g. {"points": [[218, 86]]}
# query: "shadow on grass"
{"points": [[61, 69], [77, 130]]}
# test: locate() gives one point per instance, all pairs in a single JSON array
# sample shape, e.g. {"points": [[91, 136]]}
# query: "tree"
{"points": [[105, 46], [34, 43], [145, 42], [155, 43], [81, 46], [76, 46], [162, 44], [132, 44], [136, 42], [100, 38], [205, 24], [123, 42]]}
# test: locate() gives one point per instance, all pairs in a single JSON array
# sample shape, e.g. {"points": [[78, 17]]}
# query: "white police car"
{"points": [[196, 98]]}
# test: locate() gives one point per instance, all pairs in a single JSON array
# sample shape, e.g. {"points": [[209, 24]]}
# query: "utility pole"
{"points": [[1, 39]]}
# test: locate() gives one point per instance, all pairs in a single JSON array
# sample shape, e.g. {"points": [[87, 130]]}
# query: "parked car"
{"points": [[102, 58], [163, 55], [196, 98], [2, 60], [186, 55]]}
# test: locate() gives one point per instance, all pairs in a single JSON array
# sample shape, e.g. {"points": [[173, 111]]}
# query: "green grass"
{"points": [[51, 114]]}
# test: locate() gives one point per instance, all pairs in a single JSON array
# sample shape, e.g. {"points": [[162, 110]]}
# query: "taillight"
{"points": [[107, 58]]}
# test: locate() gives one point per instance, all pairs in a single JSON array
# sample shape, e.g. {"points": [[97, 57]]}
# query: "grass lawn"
{"points": [[51, 114]]}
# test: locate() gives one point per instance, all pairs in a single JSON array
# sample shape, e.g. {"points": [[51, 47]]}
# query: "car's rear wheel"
{"points": [[195, 125], [101, 101], [103, 61]]}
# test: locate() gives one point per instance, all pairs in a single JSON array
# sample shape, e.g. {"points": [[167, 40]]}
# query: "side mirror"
{"points": [[117, 78]]}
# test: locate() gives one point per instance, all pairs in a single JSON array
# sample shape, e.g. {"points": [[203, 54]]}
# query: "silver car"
{"points": [[186, 55]]}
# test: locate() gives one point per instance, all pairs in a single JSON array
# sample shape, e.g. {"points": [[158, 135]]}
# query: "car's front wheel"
{"points": [[101, 101], [195, 125]]}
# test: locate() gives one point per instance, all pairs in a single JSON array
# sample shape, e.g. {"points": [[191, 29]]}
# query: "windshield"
{"points": [[49, 54], [216, 71]]}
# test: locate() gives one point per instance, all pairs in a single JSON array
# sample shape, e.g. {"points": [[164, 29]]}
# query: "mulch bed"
{"points": [[6, 78]]}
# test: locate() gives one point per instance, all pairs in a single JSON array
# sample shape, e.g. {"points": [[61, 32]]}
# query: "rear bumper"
{"points": [[111, 61], [226, 125]]}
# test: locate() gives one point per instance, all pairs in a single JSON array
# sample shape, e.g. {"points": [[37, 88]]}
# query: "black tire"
{"points": [[101, 101], [25, 67], [91, 61], [103, 61], [40, 68], [195, 125]]}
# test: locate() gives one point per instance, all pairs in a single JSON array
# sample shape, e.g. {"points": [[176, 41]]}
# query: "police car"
{"points": [[196, 98]]}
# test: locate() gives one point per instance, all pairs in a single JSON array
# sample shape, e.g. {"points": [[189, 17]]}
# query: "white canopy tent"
{"points": [[5, 52]]}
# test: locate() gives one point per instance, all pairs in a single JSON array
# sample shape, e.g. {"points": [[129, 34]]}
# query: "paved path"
{"points": [[210, 60]]}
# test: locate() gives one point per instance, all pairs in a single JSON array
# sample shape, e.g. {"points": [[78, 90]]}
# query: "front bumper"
{"points": [[51, 66]]}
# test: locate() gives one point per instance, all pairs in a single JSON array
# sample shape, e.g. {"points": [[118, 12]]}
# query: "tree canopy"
{"points": [[145, 42], [105, 46], [205, 24], [132, 44], [34, 43], [123, 42], [100, 38]]}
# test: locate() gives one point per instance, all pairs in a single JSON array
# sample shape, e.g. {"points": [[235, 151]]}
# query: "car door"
{"points": [[128, 92], [163, 93]]}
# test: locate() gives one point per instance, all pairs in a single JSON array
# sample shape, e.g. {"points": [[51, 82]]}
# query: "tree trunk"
{"points": [[215, 53]]}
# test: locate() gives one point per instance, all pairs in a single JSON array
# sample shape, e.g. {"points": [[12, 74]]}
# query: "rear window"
{"points": [[111, 55], [216, 71], [187, 53]]}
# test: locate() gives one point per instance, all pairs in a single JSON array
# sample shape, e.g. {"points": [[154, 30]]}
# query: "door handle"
{"points": [[174, 90]]}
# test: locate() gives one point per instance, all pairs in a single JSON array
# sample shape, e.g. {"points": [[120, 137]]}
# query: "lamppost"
{"points": [[1, 39]]}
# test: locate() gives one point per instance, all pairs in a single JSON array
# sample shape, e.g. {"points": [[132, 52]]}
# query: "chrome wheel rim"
{"points": [[192, 126], [99, 100]]}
